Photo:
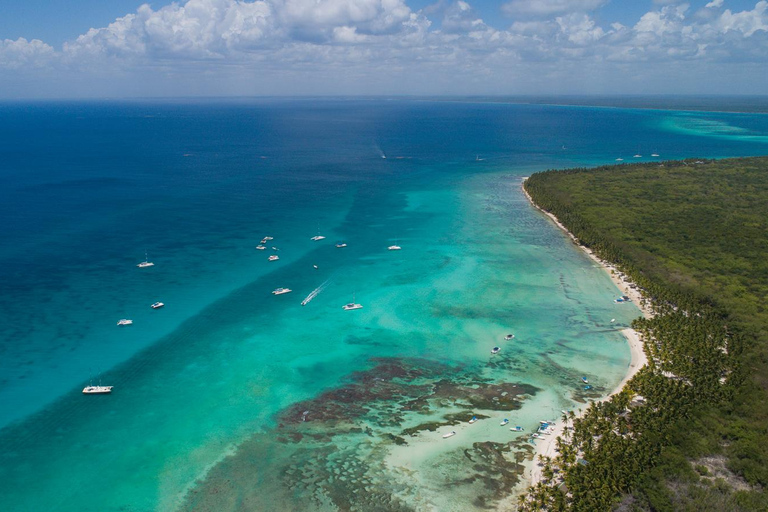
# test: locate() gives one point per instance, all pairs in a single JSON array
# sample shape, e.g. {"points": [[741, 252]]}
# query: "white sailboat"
{"points": [[352, 305], [146, 263]]}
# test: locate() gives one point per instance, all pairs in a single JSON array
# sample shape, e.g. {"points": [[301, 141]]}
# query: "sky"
{"points": [[124, 48]]}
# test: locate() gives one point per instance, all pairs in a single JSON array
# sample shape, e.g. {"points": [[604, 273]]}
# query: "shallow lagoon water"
{"points": [[210, 391]]}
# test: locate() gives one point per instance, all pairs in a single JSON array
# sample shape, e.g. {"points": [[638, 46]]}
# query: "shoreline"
{"points": [[638, 359]]}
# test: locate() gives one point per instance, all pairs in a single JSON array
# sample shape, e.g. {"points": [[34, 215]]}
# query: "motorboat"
{"points": [[517, 428], [280, 291], [157, 305], [584, 380], [509, 337], [495, 350], [274, 257], [637, 156], [317, 237], [449, 434], [351, 306], [97, 390], [341, 244], [124, 321], [504, 422], [261, 247], [394, 248], [473, 420], [619, 159]]}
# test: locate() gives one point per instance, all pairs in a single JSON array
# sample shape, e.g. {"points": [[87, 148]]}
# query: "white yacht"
{"points": [[124, 321], [638, 156], [504, 422], [473, 420], [146, 263], [157, 305], [341, 244], [619, 159], [97, 390], [394, 248], [280, 291], [654, 154], [266, 239], [509, 337], [274, 257], [449, 434], [351, 306], [261, 247], [495, 350], [317, 237]]}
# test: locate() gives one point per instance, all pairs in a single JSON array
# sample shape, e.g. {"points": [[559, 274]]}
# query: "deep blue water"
{"points": [[87, 188]]}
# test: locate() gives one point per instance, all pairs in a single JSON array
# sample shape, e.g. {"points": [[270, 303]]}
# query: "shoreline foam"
{"points": [[546, 446]]}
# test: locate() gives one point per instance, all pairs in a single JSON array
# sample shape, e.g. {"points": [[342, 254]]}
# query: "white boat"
{"points": [[449, 434], [280, 291], [495, 350], [317, 237], [518, 428], [504, 422], [654, 154], [157, 305], [509, 337], [394, 248], [124, 321], [584, 380], [619, 159], [351, 306], [260, 247], [638, 156], [341, 244], [473, 420], [97, 390], [146, 263], [314, 266], [274, 257]]}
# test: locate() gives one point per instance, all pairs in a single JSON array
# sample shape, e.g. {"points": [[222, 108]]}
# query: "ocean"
{"points": [[233, 398]]}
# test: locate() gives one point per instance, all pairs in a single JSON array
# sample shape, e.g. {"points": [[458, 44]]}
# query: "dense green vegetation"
{"points": [[693, 235]]}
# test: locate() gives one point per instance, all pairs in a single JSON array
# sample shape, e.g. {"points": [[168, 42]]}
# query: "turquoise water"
{"points": [[210, 391]]}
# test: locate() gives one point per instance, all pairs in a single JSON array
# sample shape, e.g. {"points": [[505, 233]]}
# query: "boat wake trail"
{"points": [[314, 293]]}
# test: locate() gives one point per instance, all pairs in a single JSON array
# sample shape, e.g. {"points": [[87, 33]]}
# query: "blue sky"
{"points": [[119, 48]]}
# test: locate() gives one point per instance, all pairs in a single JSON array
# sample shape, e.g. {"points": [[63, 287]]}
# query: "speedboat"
{"points": [[351, 306], [157, 305], [97, 390], [280, 291], [449, 434], [518, 428], [274, 257], [509, 337], [314, 266], [619, 159], [261, 247], [638, 156], [587, 388], [584, 380], [495, 350], [504, 422], [474, 419], [124, 321], [317, 237], [654, 154], [266, 238], [341, 244], [394, 248]]}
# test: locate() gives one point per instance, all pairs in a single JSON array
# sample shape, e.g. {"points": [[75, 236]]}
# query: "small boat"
{"points": [[474, 419], [495, 350], [314, 266], [266, 239], [146, 263], [654, 154], [274, 257], [394, 248], [280, 291], [619, 159], [534, 435], [341, 244], [509, 337], [124, 321], [317, 237], [584, 380], [157, 305], [97, 390], [587, 388], [351, 306], [449, 434], [260, 247], [504, 422], [638, 156], [518, 428], [613, 320]]}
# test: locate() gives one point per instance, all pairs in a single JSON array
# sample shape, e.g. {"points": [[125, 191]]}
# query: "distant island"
{"points": [[688, 431]]}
